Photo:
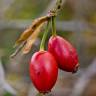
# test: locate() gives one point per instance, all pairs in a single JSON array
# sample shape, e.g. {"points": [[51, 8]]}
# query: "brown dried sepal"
{"points": [[27, 47], [36, 23]]}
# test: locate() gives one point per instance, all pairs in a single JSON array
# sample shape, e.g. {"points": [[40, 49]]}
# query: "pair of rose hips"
{"points": [[44, 64]]}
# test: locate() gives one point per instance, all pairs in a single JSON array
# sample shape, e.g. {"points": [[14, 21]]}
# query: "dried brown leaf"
{"points": [[31, 40], [36, 23]]}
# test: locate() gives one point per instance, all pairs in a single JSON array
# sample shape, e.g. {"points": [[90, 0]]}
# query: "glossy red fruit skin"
{"points": [[43, 71], [64, 53]]}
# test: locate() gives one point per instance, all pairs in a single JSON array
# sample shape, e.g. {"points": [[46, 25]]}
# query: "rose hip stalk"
{"points": [[43, 69], [64, 52]]}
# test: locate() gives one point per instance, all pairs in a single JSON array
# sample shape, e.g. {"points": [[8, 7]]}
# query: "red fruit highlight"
{"points": [[43, 71], [64, 53]]}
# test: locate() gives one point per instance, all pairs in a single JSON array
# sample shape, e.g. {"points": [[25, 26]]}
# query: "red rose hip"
{"points": [[64, 53], [43, 71]]}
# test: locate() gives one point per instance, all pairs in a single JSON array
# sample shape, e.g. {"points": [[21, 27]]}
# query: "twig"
{"points": [[50, 6]]}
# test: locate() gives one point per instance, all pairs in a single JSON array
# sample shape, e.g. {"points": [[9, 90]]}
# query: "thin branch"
{"points": [[50, 6]]}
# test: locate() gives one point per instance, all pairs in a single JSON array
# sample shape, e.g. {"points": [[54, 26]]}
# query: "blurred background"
{"points": [[76, 22]]}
